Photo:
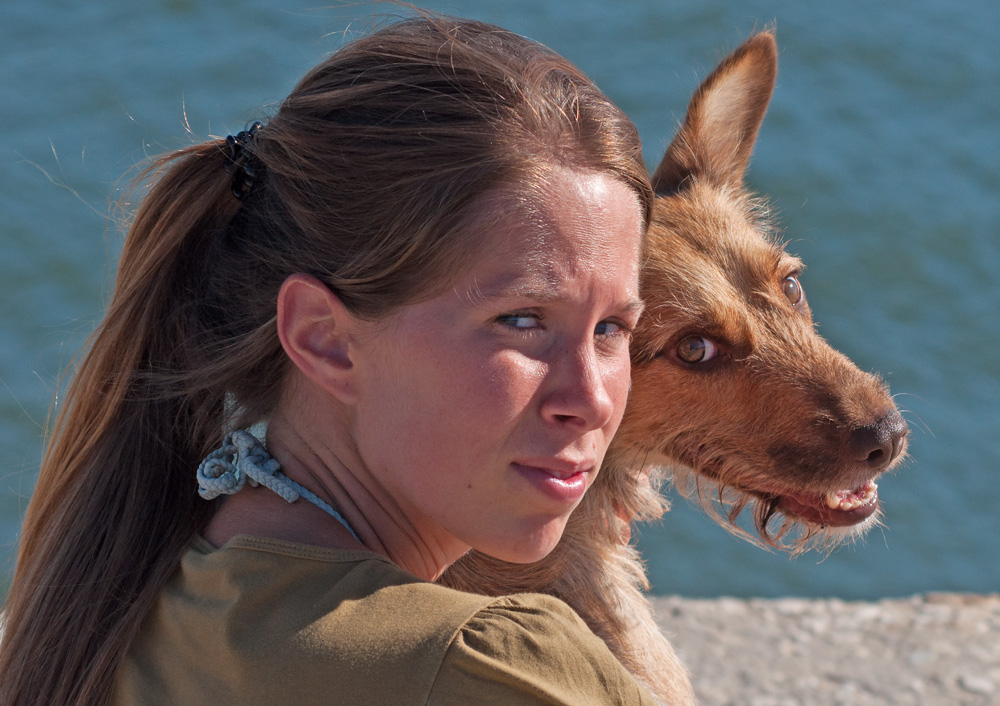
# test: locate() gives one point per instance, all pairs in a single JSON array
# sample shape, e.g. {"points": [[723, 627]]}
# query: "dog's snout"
{"points": [[878, 444]]}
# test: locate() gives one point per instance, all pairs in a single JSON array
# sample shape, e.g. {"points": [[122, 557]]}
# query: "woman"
{"points": [[419, 275]]}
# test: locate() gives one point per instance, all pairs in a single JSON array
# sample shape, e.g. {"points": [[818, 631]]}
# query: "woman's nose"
{"points": [[584, 389]]}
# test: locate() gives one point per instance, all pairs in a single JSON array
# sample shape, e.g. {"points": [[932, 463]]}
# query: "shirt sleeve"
{"points": [[532, 649]]}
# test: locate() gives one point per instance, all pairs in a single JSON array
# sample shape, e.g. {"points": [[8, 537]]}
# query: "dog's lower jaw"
{"points": [[835, 509], [785, 522], [827, 537]]}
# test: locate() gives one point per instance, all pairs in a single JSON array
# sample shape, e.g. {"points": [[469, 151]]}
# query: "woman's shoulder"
{"points": [[440, 644], [262, 621], [334, 586], [532, 649]]}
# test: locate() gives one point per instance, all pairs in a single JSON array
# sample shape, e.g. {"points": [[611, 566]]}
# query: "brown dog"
{"points": [[732, 389]]}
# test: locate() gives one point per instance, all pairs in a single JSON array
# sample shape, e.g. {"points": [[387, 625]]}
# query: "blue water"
{"points": [[880, 150]]}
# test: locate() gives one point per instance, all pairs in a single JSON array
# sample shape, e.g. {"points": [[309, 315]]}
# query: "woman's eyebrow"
{"points": [[539, 289], [634, 306]]}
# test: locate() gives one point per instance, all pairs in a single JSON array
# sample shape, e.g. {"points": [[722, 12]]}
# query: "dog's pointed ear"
{"points": [[723, 119]]}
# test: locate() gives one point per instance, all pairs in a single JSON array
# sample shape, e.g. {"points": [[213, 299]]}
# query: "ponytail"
{"points": [[98, 544]]}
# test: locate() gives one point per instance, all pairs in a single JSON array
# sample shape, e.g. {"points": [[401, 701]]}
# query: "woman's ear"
{"points": [[316, 332]]}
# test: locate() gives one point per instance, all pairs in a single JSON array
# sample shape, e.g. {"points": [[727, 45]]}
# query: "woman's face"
{"points": [[485, 412]]}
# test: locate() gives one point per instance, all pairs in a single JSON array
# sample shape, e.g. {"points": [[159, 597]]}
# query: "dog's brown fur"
{"points": [[773, 421]]}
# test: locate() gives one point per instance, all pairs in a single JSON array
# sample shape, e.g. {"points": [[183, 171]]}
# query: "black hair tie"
{"points": [[242, 162]]}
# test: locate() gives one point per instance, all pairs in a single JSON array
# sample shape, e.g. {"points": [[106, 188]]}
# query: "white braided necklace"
{"points": [[242, 457]]}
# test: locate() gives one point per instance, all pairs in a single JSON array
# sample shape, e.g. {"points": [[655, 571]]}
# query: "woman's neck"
{"points": [[315, 449]]}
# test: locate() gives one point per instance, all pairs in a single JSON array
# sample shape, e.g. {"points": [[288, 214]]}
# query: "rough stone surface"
{"points": [[931, 650]]}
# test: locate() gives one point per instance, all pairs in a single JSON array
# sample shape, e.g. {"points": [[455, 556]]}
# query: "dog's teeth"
{"points": [[848, 500]]}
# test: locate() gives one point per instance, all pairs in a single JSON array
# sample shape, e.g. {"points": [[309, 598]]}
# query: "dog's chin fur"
{"points": [[774, 529]]}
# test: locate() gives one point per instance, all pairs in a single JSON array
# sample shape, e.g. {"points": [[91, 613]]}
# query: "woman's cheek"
{"points": [[619, 385], [513, 379]]}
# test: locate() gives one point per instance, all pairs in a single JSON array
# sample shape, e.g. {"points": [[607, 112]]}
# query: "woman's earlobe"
{"points": [[315, 329]]}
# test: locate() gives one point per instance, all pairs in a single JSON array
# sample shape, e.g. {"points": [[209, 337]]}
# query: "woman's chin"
{"points": [[534, 547]]}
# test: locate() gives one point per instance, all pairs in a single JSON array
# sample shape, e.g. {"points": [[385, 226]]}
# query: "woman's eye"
{"points": [[792, 290], [609, 328], [696, 349], [519, 321]]}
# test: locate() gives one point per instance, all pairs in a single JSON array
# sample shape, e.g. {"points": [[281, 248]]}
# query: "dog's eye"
{"points": [[792, 290], [696, 349]]}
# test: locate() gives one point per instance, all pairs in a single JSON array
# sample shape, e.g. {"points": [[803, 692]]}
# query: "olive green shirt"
{"points": [[262, 621]]}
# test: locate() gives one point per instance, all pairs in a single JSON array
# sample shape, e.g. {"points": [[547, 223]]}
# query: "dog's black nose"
{"points": [[879, 444]]}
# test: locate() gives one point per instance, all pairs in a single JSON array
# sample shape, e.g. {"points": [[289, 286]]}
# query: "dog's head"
{"points": [[730, 379]]}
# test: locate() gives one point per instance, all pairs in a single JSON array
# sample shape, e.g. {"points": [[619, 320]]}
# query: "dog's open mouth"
{"points": [[841, 508]]}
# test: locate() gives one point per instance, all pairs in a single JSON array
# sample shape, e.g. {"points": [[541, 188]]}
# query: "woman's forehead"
{"points": [[589, 236], [561, 211]]}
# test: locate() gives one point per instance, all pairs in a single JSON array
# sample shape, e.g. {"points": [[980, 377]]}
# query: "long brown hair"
{"points": [[366, 174]]}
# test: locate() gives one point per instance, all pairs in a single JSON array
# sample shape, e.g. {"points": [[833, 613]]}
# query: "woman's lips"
{"points": [[565, 483]]}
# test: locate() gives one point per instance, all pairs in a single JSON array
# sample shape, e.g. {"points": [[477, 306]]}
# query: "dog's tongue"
{"points": [[836, 509]]}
